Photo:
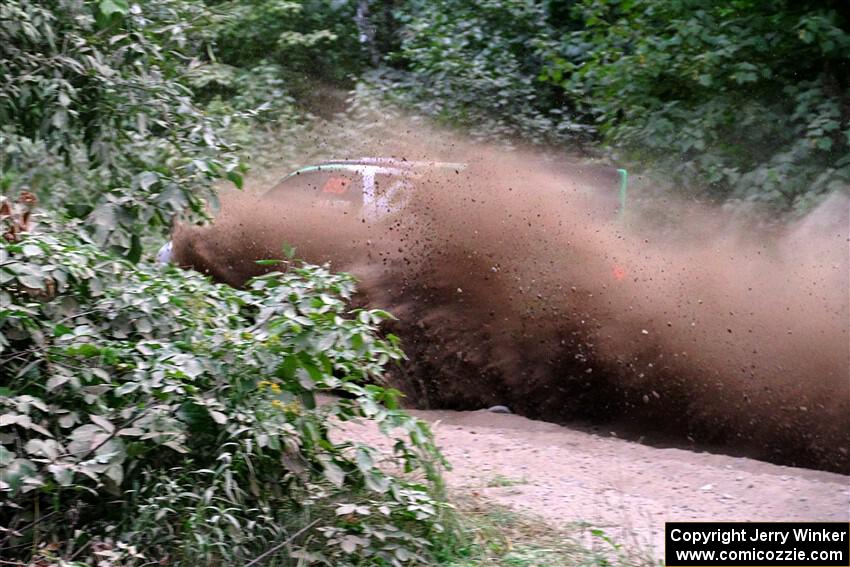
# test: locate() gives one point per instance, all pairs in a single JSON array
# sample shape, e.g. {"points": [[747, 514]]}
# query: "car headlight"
{"points": [[164, 255]]}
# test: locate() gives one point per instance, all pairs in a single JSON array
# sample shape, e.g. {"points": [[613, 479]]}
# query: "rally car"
{"points": [[372, 186]]}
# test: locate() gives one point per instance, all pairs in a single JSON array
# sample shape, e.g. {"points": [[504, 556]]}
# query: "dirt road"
{"points": [[564, 476]]}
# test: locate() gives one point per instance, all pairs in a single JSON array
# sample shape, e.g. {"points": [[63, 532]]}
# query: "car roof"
{"points": [[402, 163], [379, 165]]}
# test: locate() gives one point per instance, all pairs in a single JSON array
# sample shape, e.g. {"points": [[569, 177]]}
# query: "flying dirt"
{"points": [[521, 286]]}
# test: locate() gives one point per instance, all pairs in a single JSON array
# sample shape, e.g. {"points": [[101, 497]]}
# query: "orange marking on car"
{"points": [[335, 185]]}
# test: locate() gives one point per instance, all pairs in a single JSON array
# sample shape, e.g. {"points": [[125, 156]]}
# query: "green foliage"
{"points": [[262, 116], [502, 537], [149, 414], [477, 64], [263, 59], [97, 119], [749, 98], [317, 37]]}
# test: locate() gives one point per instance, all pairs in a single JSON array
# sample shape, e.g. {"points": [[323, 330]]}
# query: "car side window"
{"points": [[328, 187]]}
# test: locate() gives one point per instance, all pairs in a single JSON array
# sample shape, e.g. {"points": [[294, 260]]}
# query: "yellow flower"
{"points": [[263, 383], [275, 388], [278, 404]]}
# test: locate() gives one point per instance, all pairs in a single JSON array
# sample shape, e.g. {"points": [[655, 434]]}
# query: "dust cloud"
{"points": [[518, 283]]}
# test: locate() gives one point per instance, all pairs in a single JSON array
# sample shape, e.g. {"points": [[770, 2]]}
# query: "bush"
{"points": [[477, 64], [150, 415], [318, 38], [735, 100], [749, 99], [98, 120]]}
